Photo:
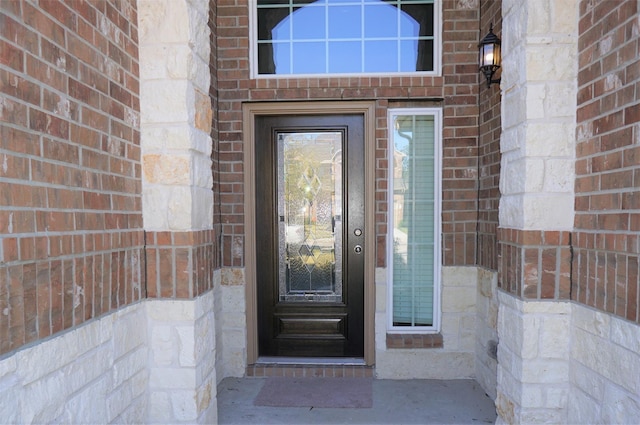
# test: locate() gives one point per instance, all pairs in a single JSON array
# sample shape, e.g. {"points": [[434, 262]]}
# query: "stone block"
{"points": [[87, 368], [548, 211], [586, 380], [162, 345], [183, 404], [581, 409], [170, 310], [181, 204], [556, 397], [424, 364], [487, 282], [458, 299], [11, 406], [625, 334], [117, 402], [542, 416], [170, 169], [159, 407], [129, 365], [163, 21], [164, 102], [91, 403], [536, 94], [592, 321], [559, 175], [620, 407], [186, 346], [545, 371], [459, 276], [172, 378], [232, 277], [538, 17], [155, 202], [54, 389], [554, 337], [128, 333]]}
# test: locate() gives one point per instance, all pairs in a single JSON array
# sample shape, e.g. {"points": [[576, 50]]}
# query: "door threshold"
{"points": [[312, 361], [310, 367]]}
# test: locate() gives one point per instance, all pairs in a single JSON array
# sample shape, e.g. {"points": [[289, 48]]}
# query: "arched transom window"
{"points": [[304, 37]]}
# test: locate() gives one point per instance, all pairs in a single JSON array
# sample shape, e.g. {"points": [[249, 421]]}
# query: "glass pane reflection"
{"points": [[310, 211], [332, 27]]}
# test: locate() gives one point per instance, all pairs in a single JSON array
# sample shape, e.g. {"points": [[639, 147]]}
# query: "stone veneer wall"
{"points": [[605, 366], [182, 361], [452, 355], [533, 355], [94, 373]]}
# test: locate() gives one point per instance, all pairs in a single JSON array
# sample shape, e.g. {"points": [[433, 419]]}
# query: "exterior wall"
{"points": [[488, 201], [605, 354], [182, 375], [486, 331], [605, 365], [456, 92], [95, 373], [533, 354], [607, 222], [489, 149], [452, 356], [536, 209], [70, 209]]}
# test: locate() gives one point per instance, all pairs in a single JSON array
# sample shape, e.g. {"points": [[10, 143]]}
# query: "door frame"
{"points": [[250, 111]]}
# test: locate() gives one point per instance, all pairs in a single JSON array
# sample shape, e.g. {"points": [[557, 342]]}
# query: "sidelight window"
{"points": [[414, 219], [305, 37]]}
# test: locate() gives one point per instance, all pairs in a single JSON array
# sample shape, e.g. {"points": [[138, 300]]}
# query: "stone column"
{"points": [[177, 205], [539, 87]]}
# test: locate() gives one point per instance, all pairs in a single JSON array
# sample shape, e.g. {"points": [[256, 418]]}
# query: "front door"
{"points": [[309, 179]]}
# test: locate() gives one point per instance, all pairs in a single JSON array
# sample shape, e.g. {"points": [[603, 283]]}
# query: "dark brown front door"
{"points": [[310, 234]]}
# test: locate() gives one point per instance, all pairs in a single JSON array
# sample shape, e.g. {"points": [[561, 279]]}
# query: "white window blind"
{"points": [[415, 187]]}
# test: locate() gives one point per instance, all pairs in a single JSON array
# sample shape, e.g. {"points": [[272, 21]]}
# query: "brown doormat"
{"points": [[316, 392]]}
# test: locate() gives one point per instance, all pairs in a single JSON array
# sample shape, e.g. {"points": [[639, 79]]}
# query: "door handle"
{"points": [[357, 249]]}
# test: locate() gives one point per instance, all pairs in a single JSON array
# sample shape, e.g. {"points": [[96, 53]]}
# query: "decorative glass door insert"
{"points": [[309, 191]]}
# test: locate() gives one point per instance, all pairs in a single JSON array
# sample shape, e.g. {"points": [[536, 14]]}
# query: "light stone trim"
{"points": [[533, 360], [95, 373], [605, 366], [486, 365], [457, 358], [182, 360], [175, 115], [539, 100]]}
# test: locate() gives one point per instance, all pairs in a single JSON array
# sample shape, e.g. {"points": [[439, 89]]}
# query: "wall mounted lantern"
{"points": [[490, 58]]}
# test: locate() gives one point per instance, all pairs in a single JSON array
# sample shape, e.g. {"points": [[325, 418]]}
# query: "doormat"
{"points": [[316, 392]]}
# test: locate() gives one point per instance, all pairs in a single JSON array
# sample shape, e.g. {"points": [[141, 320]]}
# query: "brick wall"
{"points": [[458, 90], [70, 207], [607, 222], [489, 149], [213, 95]]}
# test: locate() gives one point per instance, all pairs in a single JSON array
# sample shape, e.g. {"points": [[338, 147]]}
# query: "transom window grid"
{"points": [[413, 253], [346, 37]]}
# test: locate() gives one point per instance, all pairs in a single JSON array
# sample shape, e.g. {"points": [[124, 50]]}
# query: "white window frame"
{"points": [[253, 51], [437, 260]]}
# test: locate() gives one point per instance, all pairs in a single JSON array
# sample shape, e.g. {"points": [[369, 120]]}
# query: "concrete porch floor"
{"points": [[394, 402]]}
